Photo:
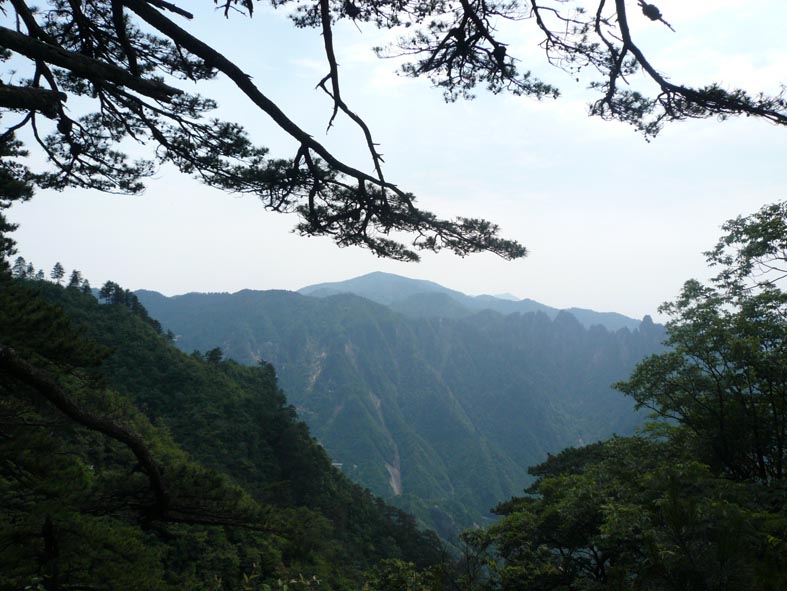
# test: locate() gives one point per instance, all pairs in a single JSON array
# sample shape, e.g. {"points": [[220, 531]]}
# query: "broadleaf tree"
{"points": [[128, 61], [725, 375], [696, 500]]}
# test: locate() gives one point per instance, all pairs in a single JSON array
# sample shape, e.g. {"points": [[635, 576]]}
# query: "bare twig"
{"points": [[335, 93]]}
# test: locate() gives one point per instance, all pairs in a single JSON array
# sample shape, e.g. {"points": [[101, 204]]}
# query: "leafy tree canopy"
{"points": [[636, 514], [725, 377], [753, 252], [125, 62], [125, 464], [697, 501]]}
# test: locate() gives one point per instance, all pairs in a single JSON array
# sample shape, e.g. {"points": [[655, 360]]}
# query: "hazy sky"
{"points": [[612, 222]]}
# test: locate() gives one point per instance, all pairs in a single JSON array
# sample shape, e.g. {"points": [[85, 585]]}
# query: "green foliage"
{"points": [[725, 377], [77, 506], [15, 186], [75, 280], [247, 489], [396, 575], [637, 514], [57, 273], [215, 355], [19, 270], [753, 252], [698, 503], [112, 293]]}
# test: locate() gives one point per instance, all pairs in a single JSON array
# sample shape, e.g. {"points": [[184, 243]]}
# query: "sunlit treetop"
{"points": [[128, 60], [752, 254]]}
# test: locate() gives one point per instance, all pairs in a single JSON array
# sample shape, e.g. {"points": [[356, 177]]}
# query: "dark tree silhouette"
{"points": [[75, 280], [214, 356], [106, 291], [129, 58], [57, 273], [19, 269], [15, 186]]}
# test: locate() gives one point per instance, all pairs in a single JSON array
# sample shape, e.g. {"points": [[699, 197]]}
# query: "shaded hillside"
{"points": [[241, 487], [442, 416]]}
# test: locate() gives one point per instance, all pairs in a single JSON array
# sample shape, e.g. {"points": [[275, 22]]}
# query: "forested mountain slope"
{"points": [[442, 416], [127, 464]]}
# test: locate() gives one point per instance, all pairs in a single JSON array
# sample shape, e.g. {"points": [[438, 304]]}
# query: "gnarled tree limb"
{"points": [[83, 65], [42, 383]]}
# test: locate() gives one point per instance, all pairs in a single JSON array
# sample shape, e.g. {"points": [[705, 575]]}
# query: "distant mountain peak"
{"points": [[383, 288], [422, 298], [378, 278], [506, 296]]}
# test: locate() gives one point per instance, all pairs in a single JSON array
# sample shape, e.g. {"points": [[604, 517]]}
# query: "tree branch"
{"points": [[243, 81], [28, 98], [84, 66], [335, 94], [59, 398], [720, 102]]}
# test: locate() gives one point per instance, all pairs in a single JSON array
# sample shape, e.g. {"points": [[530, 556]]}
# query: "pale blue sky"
{"points": [[612, 222]]}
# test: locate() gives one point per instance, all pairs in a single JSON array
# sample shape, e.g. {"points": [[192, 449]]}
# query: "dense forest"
{"points": [[128, 463]]}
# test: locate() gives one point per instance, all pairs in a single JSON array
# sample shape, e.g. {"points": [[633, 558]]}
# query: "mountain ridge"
{"points": [[426, 411], [418, 297]]}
